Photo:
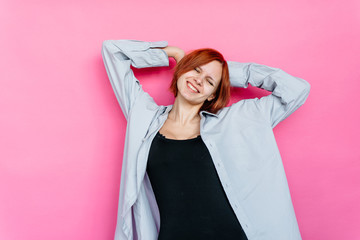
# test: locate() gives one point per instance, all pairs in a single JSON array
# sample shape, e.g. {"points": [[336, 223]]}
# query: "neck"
{"points": [[184, 113]]}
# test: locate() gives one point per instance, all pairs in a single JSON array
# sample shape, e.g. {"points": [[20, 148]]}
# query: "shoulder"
{"points": [[246, 111], [242, 107]]}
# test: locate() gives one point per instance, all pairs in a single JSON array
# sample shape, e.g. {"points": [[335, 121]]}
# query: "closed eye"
{"points": [[208, 80]]}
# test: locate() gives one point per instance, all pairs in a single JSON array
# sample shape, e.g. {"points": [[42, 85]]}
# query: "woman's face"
{"points": [[204, 79]]}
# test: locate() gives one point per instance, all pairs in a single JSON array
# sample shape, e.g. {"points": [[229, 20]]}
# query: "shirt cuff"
{"points": [[147, 54]]}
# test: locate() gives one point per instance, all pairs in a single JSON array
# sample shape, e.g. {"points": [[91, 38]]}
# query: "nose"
{"points": [[198, 80]]}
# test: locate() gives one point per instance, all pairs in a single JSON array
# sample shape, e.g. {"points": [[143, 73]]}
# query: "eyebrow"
{"points": [[208, 75]]}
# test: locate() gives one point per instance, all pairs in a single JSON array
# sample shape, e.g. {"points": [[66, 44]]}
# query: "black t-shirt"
{"points": [[191, 200]]}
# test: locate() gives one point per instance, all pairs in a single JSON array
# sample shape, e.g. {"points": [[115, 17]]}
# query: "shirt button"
{"points": [[236, 206], [210, 144], [226, 185], [218, 164]]}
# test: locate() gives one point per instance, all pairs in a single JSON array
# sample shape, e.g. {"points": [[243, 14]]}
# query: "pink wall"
{"points": [[62, 130]]}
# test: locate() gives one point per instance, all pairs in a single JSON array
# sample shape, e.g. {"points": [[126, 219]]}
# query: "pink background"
{"points": [[62, 130]]}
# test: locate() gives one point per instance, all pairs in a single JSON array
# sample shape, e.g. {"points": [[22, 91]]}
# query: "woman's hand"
{"points": [[174, 52], [179, 55]]}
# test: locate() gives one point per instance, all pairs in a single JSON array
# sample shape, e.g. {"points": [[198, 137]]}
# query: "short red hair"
{"points": [[200, 57]]}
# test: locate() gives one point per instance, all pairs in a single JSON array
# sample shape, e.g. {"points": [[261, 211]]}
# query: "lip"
{"points": [[193, 86]]}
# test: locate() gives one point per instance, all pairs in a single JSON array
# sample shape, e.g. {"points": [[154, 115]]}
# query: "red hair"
{"points": [[200, 57]]}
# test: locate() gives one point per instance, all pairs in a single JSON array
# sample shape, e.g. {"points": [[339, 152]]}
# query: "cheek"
{"points": [[178, 83], [210, 89], [181, 81]]}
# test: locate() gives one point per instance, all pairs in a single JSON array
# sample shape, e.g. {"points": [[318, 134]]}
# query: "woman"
{"points": [[206, 170]]}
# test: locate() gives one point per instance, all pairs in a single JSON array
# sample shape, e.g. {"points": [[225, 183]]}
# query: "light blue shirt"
{"points": [[239, 138]]}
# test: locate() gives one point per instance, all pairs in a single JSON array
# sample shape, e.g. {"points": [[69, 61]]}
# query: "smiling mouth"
{"points": [[191, 87]]}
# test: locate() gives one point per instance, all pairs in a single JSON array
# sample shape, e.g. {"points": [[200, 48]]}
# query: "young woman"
{"points": [[197, 169]]}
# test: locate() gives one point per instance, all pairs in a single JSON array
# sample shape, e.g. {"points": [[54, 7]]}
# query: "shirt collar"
{"points": [[167, 109]]}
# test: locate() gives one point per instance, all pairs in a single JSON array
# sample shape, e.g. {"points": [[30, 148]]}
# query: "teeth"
{"points": [[192, 87]]}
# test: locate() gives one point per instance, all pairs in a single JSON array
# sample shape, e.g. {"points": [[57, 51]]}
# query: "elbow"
{"points": [[106, 44], [306, 90], [108, 47], [307, 87]]}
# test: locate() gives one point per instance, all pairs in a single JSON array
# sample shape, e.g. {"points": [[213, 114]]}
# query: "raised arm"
{"points": [[288, 92], [118, 55]]}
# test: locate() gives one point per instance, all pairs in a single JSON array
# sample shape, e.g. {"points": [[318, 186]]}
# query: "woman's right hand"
{"points": [[174, 52]]}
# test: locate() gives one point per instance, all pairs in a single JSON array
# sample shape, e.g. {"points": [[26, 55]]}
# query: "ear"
{"points": [[211, 97]]}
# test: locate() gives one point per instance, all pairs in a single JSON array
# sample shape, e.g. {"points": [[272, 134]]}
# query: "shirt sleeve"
{"points": [[118, 55], [288, 92]]}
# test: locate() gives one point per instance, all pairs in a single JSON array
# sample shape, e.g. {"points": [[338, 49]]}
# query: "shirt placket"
{"points": [[229, 190], [148, 138]]}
